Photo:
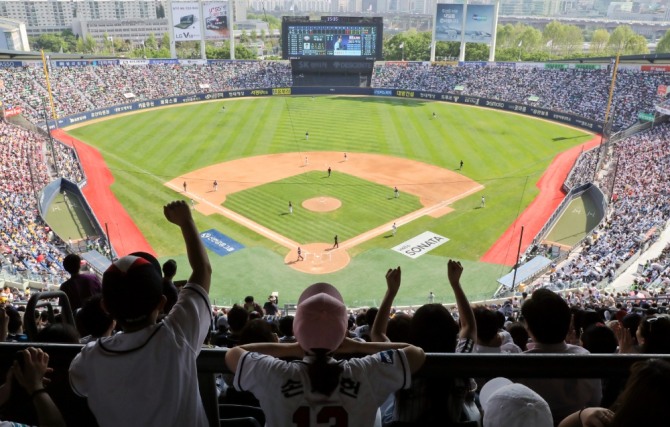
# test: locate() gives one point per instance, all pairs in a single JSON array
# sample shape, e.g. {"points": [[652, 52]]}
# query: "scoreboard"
{"points": [[333, 37]]}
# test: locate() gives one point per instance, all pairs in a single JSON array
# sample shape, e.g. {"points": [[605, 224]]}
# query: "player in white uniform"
{"points": [[319, 390], [146, 375]]}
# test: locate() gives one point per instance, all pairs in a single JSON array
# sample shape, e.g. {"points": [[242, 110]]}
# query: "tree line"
{"points": [[515, 42], [519, 42]]}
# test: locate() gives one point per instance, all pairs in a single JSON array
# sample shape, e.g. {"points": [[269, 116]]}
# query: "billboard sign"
{"points": [[421, 244], [186, 22], [479, 23], [448, 22], [216, 20]]}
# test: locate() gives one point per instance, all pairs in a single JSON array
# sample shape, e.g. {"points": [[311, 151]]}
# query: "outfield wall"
{"points": [[564, 118]]}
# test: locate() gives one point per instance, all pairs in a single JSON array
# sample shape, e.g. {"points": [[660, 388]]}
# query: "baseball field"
{"points": [[265, 152]]}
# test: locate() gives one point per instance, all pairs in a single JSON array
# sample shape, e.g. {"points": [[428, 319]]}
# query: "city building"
{"points": [[14, 35], [133, 30], [54, 16]]}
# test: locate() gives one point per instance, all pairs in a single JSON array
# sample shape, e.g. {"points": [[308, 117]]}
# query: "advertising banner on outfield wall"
{"points": [[216, 20], [448, 22], [421, 244], [186, 22], [570, 119], [479, 23]]}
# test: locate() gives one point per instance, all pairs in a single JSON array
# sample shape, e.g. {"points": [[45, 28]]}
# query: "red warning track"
{"points": [[539, 211], [123, 233]]}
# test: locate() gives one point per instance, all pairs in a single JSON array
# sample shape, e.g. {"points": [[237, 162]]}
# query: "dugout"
{"points": [[81, 215]]}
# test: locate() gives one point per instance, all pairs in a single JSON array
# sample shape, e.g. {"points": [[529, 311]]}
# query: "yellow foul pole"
{"points": [[51, 97], [609, 100]]}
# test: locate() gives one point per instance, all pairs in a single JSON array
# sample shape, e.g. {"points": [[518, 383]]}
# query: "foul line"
{"points": [[354, 241]]}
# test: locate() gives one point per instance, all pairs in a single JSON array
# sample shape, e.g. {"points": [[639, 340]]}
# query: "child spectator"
{"points": [[318, 387], [128, 378]]}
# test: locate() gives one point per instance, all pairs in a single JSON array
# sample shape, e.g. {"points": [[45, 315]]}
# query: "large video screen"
{"points": [[317, 40]]}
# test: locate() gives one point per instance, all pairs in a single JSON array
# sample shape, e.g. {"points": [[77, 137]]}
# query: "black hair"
{"points": [[547, 316], [170, 268], [599, 339], [256, 330], [15, 322], [487, 323], [370, 315], [237, 318], [323, 376], [91, 319], [519, 335], [58, 333], [249, 299], [433, 329], [72, 263], [655, 330], [286, 326], [398, 328]]}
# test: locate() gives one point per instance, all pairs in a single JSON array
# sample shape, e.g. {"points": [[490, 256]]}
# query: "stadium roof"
{"points": [[525, 271]]}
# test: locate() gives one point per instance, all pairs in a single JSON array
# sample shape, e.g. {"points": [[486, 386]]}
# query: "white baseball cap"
{"points": [[507, 404]]}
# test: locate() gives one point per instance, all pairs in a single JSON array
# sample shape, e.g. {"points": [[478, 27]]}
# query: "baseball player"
{"points": [[396, 193], [336, 242], [300, 258], [184, 186], [290, 208], [483, 203], [329, 170], [216, 185], [394, 228], [316, 388], [307, 136]]}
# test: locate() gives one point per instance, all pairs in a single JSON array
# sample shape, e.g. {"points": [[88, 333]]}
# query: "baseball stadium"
{"points": [[468, 177], [407, 186]]}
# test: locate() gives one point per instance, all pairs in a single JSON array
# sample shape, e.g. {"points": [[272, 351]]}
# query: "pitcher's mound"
{"points": [[322, 204], [319, 258]]}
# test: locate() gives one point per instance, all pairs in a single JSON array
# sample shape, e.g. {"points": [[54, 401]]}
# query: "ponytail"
{"points": [[323, 376]]}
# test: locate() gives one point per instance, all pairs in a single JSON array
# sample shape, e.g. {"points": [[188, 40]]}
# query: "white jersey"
{"points": [[283, 389], [149, 377]]}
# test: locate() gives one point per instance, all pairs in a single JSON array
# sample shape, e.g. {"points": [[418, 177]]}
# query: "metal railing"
{"points": [[211, 362]]}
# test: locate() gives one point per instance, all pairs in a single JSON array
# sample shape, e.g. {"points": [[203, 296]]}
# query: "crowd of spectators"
{"points": [[640, 209], [67, 162], [83, 88], [581, 92], [584, 170], [29, 247]]}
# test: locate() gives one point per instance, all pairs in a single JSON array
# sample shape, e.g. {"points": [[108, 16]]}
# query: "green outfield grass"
{"points": [[506, 153], [365, 205]]}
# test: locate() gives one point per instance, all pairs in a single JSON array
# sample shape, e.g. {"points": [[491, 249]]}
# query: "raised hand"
{"points": [[454, 271], [178, 212], [393, 280]]}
